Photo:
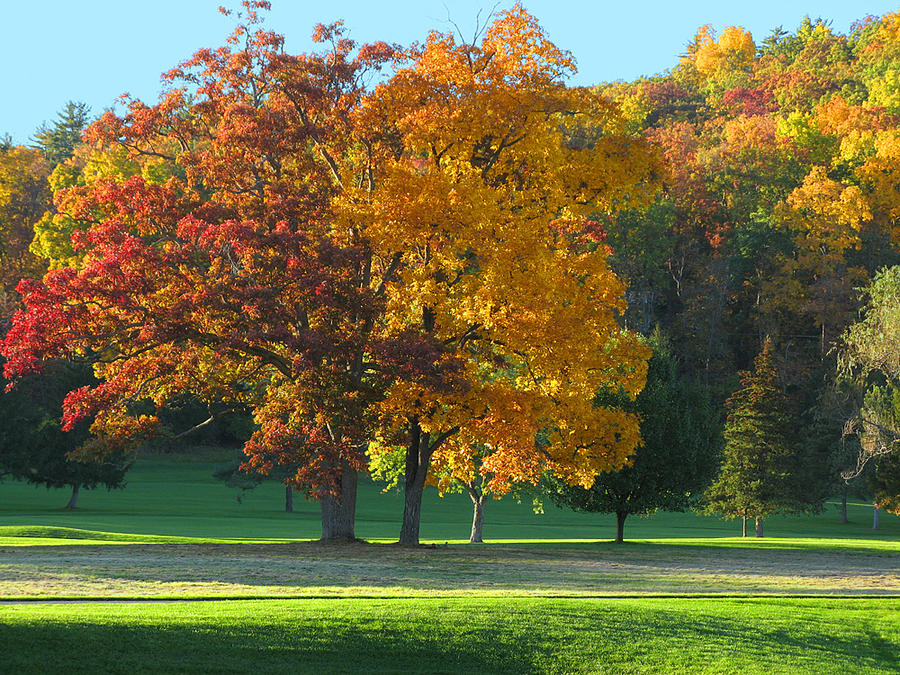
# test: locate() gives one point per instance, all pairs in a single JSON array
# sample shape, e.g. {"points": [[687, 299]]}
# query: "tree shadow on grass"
{"points": [[356, 646], [464, 635]]}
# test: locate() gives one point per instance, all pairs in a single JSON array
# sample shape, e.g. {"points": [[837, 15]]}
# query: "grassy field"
{"points": [[174, 497], [549, 593], [518, 635]]}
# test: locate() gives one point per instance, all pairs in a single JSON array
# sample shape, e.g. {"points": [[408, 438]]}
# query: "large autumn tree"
{"points": [[412, 262], [494, 167], [206, 262]]}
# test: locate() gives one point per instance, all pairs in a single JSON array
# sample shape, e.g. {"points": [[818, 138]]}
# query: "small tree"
{"points": [[35, 449], [676, 461], [236, 474], [758, 474]]}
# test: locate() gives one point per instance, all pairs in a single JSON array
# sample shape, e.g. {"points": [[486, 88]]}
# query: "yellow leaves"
{"points": [[734, 49], [477, 212], [521, 50], [826, 213], [880, 177]]}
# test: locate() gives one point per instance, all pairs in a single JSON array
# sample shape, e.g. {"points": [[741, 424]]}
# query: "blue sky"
{"points": [[94, 50]]}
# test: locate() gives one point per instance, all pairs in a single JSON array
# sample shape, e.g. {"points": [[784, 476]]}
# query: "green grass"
{"points": [[550, 593], [517, 635], [169, 498]]}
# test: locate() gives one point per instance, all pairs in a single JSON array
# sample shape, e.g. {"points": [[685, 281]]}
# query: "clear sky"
{"points": [[52, 51]]}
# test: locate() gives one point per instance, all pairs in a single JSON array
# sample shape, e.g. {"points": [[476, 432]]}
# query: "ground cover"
{"points": [[518, 635], [311, 569], [177, 496], [551, 594]]}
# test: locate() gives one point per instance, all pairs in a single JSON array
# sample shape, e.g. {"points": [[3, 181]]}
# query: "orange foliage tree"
{"points": [[413, 263]]}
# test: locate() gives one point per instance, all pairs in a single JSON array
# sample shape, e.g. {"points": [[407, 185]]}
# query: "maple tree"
{"points": [[414, 259], [497, 166], [225, 280]]}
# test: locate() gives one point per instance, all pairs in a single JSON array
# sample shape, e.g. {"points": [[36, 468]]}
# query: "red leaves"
{"points": [[749, 101]]}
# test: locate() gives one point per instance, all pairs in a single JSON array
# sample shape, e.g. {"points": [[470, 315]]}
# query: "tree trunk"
{"points": [[620, 526], [418, 457], [759, 526], [743, 526], [288, 499], [73, 500], [339, 513], [844, 519], [876, 517], [477, 518]]}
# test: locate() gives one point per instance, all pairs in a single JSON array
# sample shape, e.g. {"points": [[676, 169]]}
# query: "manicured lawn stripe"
{"points": [[512, 635], [170, 497]]}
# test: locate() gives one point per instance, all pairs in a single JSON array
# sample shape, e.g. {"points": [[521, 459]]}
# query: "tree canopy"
{"points": [[413, 262]]}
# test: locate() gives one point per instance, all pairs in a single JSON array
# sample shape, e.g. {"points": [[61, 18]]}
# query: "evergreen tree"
{"points": [[35, 449], [759, 475], [677, 459], [58, 140]]}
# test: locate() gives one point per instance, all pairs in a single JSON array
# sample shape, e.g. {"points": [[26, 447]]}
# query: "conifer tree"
{"points": [[58, 140], [758, 471]]}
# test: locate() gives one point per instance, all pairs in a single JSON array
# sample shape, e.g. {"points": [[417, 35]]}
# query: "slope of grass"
{"points": [[175, 497], [518, 635]]}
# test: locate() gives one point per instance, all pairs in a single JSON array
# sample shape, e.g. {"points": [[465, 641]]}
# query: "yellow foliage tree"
{"points": [[733, 50], [478, 224]]}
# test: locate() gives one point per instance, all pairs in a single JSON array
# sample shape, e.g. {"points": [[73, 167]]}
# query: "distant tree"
{"points": [[678, 457], [761, 473], [35, 449], [236, 474], [58, 140], [24, 196]]}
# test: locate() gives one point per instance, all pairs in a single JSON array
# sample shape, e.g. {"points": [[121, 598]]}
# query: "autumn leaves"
{"points": [[411, 262]]}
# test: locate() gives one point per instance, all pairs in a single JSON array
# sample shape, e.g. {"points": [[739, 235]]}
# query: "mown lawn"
{"points": [[550, 593], [177, 497], [485, 635]]}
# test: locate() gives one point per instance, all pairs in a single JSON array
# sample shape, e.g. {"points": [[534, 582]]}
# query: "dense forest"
{"points": [[457, 276]]}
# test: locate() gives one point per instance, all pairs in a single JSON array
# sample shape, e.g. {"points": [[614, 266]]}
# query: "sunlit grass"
{"points": [[517, 635], [173, 497]]}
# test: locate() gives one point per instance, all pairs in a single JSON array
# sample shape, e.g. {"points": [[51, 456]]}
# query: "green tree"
{"points": [[35, 449], [759, 474], [58, 140], [677, 460], [870, 358]]}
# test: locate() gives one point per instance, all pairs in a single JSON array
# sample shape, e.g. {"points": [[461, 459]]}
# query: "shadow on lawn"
{"points": [[464, 635], [78, 646]]}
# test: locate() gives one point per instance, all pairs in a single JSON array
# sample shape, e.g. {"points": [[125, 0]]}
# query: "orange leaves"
{"points": [[482, 208]]}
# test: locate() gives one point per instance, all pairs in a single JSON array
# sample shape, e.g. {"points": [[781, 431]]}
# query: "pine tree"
{"points": [[759, 468], [58, 140]]}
